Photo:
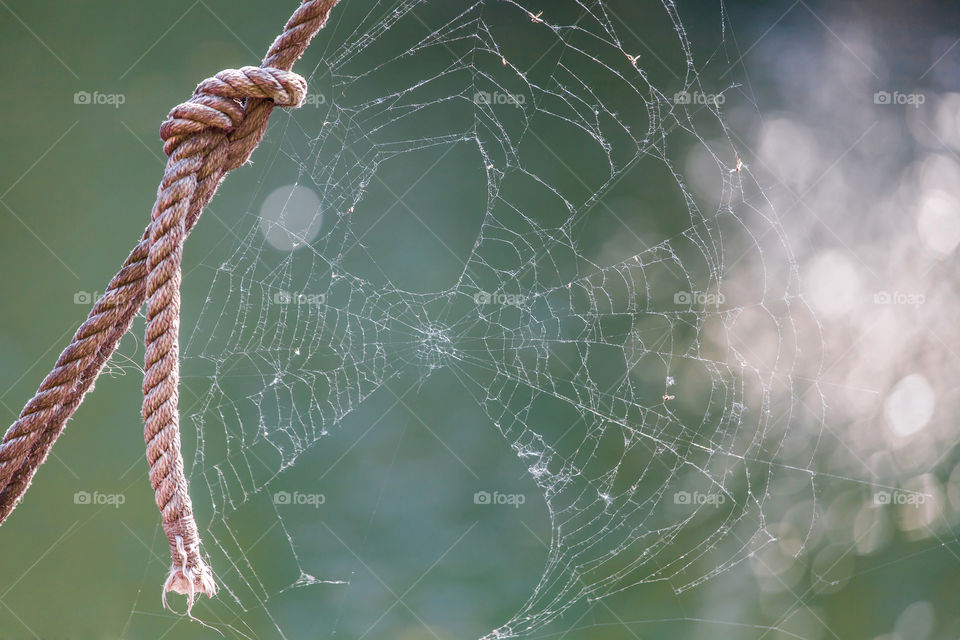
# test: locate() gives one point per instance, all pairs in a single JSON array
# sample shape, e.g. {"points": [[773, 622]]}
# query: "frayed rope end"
{"points": [[189, 581]]}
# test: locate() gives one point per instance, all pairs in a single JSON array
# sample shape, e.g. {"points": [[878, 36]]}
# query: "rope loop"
{"points": [[218, 102], [206, 137]]}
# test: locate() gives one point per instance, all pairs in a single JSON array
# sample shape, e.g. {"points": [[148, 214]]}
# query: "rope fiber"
{"points": [[204, 138]]}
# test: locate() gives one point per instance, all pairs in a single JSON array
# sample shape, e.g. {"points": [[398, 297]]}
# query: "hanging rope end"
{"points": [[192, 578], [191, 583]]}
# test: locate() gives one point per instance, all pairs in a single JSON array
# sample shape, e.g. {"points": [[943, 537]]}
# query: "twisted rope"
{"points": [[195, 130], [213, 133]]}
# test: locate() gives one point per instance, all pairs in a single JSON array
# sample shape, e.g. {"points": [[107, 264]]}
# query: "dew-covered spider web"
{"points": [[531, 229]]}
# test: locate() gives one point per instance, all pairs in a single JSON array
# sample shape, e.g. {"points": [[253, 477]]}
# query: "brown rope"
{"points": [[205, 138]]}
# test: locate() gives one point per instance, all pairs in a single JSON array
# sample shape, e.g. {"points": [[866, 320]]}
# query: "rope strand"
{"points": [[213, 133], [194, 131]]}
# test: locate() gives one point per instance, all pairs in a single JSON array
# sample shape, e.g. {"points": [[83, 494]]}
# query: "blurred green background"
{"points": [[398, 525]]}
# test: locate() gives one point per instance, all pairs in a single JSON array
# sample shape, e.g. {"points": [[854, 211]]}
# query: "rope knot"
{"points": [[217, 102], [206, 137]]}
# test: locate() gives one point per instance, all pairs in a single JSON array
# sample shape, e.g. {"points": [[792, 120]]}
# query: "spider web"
{"points": [[541, 212]]}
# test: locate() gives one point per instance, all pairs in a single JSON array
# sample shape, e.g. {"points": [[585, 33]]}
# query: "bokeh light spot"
{"points": [[909, 406], [290, 217]]}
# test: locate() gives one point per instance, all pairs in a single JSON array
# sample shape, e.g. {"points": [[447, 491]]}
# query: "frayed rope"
{"points": [[188, 581]]}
